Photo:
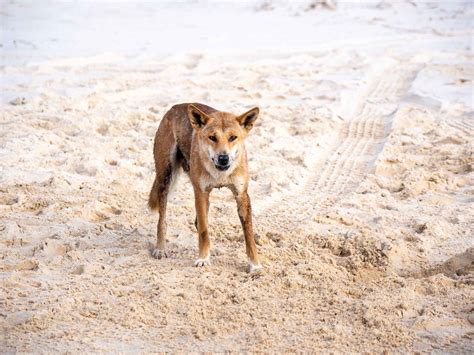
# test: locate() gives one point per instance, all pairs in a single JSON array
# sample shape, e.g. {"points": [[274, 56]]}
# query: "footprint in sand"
{"points": [[8, 199], [83, 169], [53, 247], [37, 205], [97, 211], [91, 269]]}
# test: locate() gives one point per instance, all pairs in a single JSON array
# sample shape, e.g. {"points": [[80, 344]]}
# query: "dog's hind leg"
{"points": [[160, 191], [166, 173]]}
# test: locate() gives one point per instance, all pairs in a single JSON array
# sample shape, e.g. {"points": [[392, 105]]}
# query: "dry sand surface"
{"points": [[361, 174]]}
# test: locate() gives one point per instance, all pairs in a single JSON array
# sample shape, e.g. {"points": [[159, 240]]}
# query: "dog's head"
{"points": [[222, 134]]}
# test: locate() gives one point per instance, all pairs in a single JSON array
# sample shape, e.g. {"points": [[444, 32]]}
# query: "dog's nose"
{"points": [[223, 159]]}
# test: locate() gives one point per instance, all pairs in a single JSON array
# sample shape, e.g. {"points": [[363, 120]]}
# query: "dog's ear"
{"points": [[197, 118], [247, 119]]}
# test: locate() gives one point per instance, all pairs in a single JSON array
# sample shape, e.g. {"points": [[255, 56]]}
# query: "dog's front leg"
{"points": [[245, 215], [202, 206]]}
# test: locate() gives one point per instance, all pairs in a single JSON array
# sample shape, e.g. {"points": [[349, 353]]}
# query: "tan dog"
{"points": [[209, 146]]}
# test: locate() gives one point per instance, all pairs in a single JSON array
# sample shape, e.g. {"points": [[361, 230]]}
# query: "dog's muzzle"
{"points": [[222, 162]]}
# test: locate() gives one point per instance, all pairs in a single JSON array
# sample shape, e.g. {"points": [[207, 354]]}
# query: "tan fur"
{"points": [[153, 197], [192, 137]]}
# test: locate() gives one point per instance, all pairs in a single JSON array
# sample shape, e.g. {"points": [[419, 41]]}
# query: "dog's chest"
{"points": [[234, 182]]}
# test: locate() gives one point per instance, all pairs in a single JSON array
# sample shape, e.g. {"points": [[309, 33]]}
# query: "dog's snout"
{"points": [[223, 159], [222, 162]]}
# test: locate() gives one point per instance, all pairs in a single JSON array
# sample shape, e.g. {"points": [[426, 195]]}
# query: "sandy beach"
{"points": [[361, 177]]}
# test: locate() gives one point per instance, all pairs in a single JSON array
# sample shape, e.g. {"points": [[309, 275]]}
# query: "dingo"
{"points": [[209, 146]]}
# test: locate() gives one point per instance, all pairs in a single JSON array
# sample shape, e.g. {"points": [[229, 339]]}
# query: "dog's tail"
{"points": [[163, 185], [154, 198]]}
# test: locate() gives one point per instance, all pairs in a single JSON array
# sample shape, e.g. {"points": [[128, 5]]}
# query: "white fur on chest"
{"points": [[220, 179]]}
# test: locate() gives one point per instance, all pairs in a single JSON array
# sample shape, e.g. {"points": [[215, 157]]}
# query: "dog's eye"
{"points": [[232, 138], [213, 138]]}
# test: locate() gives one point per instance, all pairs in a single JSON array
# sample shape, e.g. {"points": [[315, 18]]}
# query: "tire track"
{"points": [[353, 152], [461, 124]]}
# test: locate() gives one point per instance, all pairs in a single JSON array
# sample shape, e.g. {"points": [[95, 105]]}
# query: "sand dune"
{"points": [[361, 182]]}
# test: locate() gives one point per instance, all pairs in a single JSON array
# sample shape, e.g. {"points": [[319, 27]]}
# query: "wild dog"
{"points": [[209, 146]]}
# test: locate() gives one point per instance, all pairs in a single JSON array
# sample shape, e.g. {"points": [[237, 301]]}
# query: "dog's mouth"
{"points": [[222, 167]]}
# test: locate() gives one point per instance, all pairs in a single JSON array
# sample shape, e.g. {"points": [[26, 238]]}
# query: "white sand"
{"points": [[361, 178]]}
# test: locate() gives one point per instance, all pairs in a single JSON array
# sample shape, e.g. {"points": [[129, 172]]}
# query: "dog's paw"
{"points": [[202, 262], [254, 268], [159, 253]]}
